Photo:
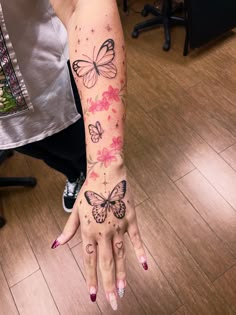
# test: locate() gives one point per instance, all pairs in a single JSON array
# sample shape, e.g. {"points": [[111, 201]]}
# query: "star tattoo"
{"points": [[108, 28]]}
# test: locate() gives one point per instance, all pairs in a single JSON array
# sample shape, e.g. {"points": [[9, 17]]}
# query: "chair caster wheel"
{"points": [[2, 222], [144, 13], [135, 34], [166, 46]]}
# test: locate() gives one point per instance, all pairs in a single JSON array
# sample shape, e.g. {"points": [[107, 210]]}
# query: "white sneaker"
{"points": [[71, 192]]}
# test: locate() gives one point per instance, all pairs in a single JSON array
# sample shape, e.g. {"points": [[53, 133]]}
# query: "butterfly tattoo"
{"points": [[101, 65], [96, 131], [114, 203]]}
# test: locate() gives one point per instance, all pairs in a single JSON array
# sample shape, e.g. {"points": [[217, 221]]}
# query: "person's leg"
{"points": [[67, 146], [65, 152], [63, 166]]}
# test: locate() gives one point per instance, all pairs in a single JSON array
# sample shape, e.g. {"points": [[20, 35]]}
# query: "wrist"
{"points": [[109, 160], [115, 169]]}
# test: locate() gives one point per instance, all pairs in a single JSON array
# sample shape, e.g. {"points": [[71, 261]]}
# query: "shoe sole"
{"points": [[64, 206]]}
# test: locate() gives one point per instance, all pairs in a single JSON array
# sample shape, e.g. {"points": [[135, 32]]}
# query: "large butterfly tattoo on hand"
{"points": [[114, 203], [102, 65], [96, 131]]}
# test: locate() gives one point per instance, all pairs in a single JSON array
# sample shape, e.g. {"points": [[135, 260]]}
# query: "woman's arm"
{"points": [[104, 207]]}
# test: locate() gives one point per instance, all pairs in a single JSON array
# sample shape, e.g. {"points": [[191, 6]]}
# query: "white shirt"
{"points": [[36, 98]]}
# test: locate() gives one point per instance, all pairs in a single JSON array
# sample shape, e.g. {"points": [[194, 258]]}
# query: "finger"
{"points": [[90, 265], [136, 240], [107, 267], [119, 258], [70, 229]]}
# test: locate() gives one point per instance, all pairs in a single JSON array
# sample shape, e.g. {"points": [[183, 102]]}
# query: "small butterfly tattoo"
{"points": [[114, 203], [96, 131], [102, 65]]}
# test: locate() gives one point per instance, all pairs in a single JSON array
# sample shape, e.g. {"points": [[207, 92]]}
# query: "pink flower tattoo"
{"points": [[116, 143], [106, 157], [98, 105], [112, 94], [94, 176], [108, 97]]}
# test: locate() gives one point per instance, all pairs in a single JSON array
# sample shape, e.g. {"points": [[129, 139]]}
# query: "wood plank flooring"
{"points": [[181, 158]]}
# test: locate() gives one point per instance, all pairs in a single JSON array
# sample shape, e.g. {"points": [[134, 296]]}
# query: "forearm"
{"points": [[97, 56]]}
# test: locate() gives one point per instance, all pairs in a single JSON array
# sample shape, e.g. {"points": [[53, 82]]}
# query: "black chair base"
{"points": [[125, 5], [17, 181], [163, 17], [13, 181]]}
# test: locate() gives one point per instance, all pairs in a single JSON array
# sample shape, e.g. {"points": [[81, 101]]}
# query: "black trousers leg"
{"points": [[64, 151]]}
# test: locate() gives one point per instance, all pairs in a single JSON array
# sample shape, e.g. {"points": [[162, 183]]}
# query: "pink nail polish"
{"points": [[55, 244], [113, 301], [121, 288], [93, 294]]}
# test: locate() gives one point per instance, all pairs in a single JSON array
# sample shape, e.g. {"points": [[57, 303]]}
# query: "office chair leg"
{"points": [[157, 21], [2, 222], [18, 181], [125, 5], [148, 8], [167, 42]]}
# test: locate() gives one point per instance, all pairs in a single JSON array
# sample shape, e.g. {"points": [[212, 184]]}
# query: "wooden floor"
{"points": [[181, 156]]}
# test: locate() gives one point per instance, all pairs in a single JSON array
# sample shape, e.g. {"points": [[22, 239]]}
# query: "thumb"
{"points": [[70, 229]]}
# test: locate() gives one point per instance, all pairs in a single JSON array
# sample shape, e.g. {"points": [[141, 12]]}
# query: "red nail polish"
{"points": [[55, 244], [145, 266], [93, 297], [93, 294]]}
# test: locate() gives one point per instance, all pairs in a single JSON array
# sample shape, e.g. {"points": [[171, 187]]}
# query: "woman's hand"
{"points": [[105, 210]]}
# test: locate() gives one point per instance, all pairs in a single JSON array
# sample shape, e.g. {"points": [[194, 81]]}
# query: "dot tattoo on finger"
{"points": [[118, 229]]}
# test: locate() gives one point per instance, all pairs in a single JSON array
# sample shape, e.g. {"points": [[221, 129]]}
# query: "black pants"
{"points": [[65, 150]]}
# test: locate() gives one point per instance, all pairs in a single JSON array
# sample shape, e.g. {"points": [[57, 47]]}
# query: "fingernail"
{"points": [[121, 288], [93, 294], [113, 301], [55, 244], [143, 261], [145, 266]]}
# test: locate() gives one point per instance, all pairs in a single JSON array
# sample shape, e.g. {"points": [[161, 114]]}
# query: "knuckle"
{"points": [[135, 237], [108, 285], [120, 254], [89, 262], [121, 275], [107, 264], [136, 240]]}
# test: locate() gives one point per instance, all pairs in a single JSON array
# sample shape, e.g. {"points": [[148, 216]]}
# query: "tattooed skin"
{"points": [[108, 28], [101, 65], [94, 176], [88, 249], [107, 156], [113, 203], [119, 245], [118, 229], [105, 183], [95, 131]]}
